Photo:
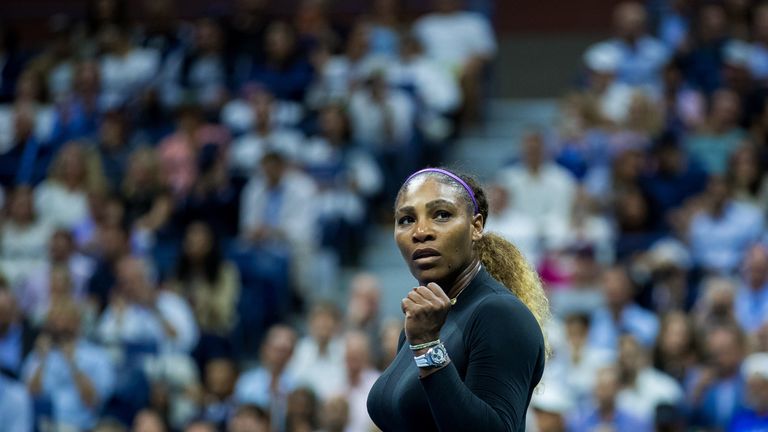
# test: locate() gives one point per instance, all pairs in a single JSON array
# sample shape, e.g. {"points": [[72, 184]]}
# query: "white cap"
{"points": [[670, 252], [755, 364], [737, 53], [552, 398], [603, 57]]}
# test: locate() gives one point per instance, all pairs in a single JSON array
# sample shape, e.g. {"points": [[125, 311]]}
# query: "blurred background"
{"points": [[196, 203]]}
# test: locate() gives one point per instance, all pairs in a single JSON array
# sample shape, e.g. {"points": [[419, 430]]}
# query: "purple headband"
{"points": [[451, 175]]}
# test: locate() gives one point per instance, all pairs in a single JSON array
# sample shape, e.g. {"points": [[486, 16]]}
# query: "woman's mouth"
{"points": [[425, 256]]}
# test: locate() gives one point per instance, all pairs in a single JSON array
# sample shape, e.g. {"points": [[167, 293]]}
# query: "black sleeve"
{"points": [[506, 355]]}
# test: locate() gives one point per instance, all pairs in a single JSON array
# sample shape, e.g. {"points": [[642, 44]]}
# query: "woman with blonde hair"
{"points": [[62, 198], [473, 327]]}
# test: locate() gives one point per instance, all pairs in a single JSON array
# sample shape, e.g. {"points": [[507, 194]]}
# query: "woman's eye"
{"points": [[405, 220], [442, 215]]}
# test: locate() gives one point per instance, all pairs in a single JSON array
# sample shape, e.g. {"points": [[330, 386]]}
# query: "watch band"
{"points": [[435, 356], [424, 345]]}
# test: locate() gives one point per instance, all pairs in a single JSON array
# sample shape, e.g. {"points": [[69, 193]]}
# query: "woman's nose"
{"points": [[423, 232]]}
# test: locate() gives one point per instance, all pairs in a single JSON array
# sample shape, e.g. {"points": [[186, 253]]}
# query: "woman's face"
{"points": [[434, 231], [198, 241], [676, 338], [22, 206]]}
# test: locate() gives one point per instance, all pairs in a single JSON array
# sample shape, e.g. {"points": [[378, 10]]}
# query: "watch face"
{"points": [[437, 355]]}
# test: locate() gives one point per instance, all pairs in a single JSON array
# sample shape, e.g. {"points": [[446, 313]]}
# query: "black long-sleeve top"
{"points": [[497, 358]]}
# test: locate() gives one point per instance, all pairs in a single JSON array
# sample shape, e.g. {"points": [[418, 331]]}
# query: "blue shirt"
{"points": [[604, 332], [640, 64], [751, 307], [748, 421], [59, 383], [11, 349], [719, 243], [15, 406], [619, 422]]}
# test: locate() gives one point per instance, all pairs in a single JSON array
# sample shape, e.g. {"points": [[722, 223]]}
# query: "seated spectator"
{"points": [[642, 57], [219, 379], [676, 350], [12, 66], [178, 153], [16, 334], [347, 179], [114, 147], [746, 176], [539, 188], [62, 199], [518, 228], [386, 27], [643, 388], [74, 376], [79, 111], [249, 418], [139, 313], [302, 411], [334, 415], [283, 71], [25, 155], [268, 385], [198, 74], [390, 340], [209, 283], [265, 133], [722, 231], [56, 63], [715, 305], [112, 246], [751, 302], [620, 314], [758, 65], [34, 294], [363, 311], [667, 267], [241, 115], [25, 237], [28, 97], [606, 412], [720, 135], [755, 416], [200, 426], [16, 409], [463, 42], [550, 409], [635, 222], [148, 420], [360, 377], [579, 291], [318, 361], [716, 390], [147, 200], [127, 71]]}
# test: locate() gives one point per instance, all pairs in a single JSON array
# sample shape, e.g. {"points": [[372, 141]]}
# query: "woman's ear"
{"points": [[477, 227]]}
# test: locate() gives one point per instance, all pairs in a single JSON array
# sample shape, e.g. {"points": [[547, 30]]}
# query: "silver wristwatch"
{"points": [[436, 356]]}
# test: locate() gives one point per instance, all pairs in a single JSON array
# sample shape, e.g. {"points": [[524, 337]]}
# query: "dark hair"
{"points": [[503, 261], [211, 263]]}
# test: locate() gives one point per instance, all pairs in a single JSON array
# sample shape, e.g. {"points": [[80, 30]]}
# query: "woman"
{"points": [[473, 326]]}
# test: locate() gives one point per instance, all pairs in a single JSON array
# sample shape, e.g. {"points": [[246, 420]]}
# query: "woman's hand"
{"points": [[425, 309]]}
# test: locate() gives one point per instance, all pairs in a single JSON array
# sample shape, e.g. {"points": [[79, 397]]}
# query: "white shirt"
{"points": [[651, 388], [545, 196], [238, 116], [357, 398], [294, 212], [138, 324], [123, 78], [453, 38], [367, 119], [43, 129], [246, 152], [59, 206], [323, 373], [437, 88], [23, 250]]}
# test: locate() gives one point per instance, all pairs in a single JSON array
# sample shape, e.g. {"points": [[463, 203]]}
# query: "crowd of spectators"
{"points": [[644, 210], [180, 197]]}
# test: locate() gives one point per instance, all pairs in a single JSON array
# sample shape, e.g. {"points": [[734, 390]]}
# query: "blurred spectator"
{"points": [[644, 388], [200, 426], [179, 152], [112, 246], [519, 228], [676, 351], [209, 283], [720, 135], [715, 305], [218, 404], [64, 264], [363, 308], [16, 334], [16, 409], [302, 411], [62, 199], [25, 237], [139, 313], [641, 56], [722, 230], [755, 416], [147, 200], [538, 187], [751, 302], [579, 292], [249, 418], [620, 314], [246, 27], [79, 110], [114, 147], [127, 71], [391, 335], [13, 61], [386, 27], [746, 177], [148, 420], [264, 134], [347, 178], [463, 42], [550, 409], [704, 56], [334, 416], [160, 28], [25, 153], [268, 385], [715, 391], [606, 413], [198, 74], [283, 71], [360, 377], [668, 264], [57, 62], [64, 370], [313, 23], [318, 361], [758, 65]]}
